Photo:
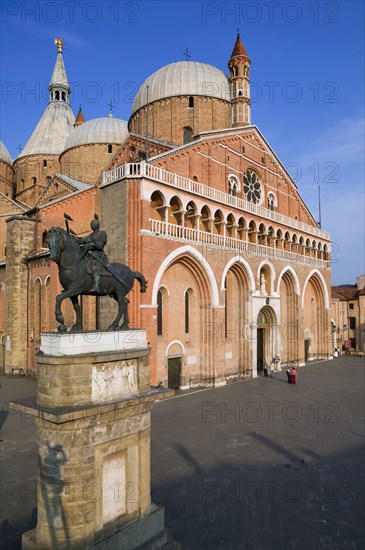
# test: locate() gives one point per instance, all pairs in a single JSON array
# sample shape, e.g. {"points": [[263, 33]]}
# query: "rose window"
{"points": [[252, 187]]}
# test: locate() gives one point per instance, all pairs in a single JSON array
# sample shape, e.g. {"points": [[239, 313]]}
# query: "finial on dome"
{"points": [[111, 107], [186, 53], [59, 44]]}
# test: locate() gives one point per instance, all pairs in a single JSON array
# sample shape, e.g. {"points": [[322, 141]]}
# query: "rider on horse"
{"points": [[94, 244]]}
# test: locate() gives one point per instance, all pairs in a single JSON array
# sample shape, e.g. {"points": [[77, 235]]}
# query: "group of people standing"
{"points": [[292, 375], [273, 366]]}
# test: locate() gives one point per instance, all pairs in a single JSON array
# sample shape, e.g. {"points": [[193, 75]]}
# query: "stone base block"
{"points": [[147, 533], [92, 341]]}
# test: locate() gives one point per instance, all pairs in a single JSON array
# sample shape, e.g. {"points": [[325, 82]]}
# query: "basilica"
{"points": [[190, 194]]}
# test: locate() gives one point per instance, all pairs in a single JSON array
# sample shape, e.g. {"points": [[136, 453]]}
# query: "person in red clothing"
{"points": [[293, 375]]}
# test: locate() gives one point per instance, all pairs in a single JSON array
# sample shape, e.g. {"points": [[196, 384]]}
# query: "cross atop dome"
{"points": [[186, 53]]}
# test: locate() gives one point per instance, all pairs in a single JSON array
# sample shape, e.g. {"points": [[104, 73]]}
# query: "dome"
{"points": [[4, 154], [183, 78], [98, 130], [52, 131]]}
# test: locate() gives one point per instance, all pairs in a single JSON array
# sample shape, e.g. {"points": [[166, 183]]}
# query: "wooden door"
{"points": [[173, 374]]}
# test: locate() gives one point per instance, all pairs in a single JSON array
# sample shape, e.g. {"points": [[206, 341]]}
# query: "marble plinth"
{"points": [[87, 342]]}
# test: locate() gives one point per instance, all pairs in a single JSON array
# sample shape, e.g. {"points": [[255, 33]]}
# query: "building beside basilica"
{"points": [[190, 194]]}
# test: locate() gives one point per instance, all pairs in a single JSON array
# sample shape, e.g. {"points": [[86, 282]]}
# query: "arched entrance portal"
{"points": [[266, 337], [174, 354]]}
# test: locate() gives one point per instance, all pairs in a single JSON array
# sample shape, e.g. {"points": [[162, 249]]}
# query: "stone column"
{"points": [[20, 242]]}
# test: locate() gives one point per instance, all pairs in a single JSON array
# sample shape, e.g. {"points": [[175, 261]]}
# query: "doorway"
{"points": [[260, 349], [307, 345], [173, 372]]}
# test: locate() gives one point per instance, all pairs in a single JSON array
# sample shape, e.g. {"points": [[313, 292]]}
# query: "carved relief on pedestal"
{"points": [[109, 383]]}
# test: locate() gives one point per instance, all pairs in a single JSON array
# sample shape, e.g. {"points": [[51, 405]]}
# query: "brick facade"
{"points": [[238, 269]]}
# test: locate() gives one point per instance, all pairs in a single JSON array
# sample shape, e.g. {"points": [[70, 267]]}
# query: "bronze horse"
{"points": [[75, 279]]}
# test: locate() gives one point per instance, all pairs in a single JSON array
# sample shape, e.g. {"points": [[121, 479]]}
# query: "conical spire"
{"points": [[239, 48], [239, 69], [79, 119], [57, 122], [59, 82]]}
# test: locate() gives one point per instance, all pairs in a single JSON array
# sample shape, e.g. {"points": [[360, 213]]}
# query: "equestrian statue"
{"points": [[84, 269]]}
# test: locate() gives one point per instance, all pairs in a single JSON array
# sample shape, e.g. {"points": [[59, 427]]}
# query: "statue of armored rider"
{"points": [[93, 245]]}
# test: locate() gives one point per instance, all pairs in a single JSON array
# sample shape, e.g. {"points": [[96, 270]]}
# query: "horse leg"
{"points": [[58, 313], [125, 324], [122, 308], [70, 292], [77, 308]]}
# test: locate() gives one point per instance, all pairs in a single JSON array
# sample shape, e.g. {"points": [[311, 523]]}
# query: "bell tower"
{"points": [[239, 69]]}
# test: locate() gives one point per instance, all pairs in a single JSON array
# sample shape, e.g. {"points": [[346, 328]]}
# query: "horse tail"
{"points": [[142, 281]]}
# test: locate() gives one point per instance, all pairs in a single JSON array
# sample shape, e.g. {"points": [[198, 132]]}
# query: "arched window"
{"points": [[191, 102], [271, 201], [233, 185], [234, 71], [37, 311], [44, 239], [34, 181], [188, 132], [110, 148], [187, 311], [159, 313], [63, 96], [44, 164], [57, 95]]}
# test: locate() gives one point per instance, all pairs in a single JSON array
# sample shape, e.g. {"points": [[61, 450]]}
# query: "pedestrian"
{"points": [[336, 353], [276, 360], [288, 375], [265, 369], [293, 375]]}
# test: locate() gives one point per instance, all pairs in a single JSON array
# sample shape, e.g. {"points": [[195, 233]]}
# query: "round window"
{"points": [[252, 187]]}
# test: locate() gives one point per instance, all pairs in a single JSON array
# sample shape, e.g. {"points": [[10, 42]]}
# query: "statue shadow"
{"points": [[52, 493]]}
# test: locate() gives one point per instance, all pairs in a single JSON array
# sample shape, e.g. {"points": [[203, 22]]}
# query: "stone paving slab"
{"points": [[255, 465]]}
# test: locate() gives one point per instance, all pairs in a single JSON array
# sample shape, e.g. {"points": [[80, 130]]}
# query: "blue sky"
{"points": [[307, 73]]}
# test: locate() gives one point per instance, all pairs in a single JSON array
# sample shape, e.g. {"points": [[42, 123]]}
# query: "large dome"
{"points": [[4, 154], [98, 130], [183, 78]]}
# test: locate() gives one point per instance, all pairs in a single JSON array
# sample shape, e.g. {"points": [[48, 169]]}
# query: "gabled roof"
{"points": [[76, 184], [220, 134], [53, 192], [9, 206]]}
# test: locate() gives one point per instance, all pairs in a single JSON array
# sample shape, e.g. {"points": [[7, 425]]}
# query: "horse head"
{"points": [[56, 240]]}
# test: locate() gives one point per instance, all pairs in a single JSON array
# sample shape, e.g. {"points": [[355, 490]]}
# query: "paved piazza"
{"points": [[256, 465]]}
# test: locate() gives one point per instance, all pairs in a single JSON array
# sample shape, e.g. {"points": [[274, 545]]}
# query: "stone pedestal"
{"points": [[93, 416]]}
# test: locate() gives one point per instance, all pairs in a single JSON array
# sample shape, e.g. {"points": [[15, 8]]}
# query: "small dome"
{"points": [[4, 154], [183, 78], [98, 130]]}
